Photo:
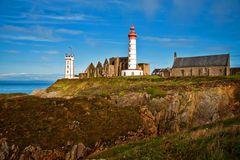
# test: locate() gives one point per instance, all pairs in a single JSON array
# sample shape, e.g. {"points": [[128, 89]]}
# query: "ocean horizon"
{"points": [[23, 86]]}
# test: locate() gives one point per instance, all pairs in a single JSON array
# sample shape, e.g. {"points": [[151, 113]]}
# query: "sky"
{"points": [[35, 35]]}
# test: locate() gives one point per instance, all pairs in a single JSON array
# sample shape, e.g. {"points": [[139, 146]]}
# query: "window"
{"points": [[132, 73], [67, 66], [140, 73], [182, 72], [124, 73]]}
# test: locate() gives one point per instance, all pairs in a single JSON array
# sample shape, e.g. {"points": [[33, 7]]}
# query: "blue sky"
{"points": [[36, 34]]}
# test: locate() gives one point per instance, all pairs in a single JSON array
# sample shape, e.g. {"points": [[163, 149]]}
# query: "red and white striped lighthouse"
{"points": [[132, 48], [132, 57]]}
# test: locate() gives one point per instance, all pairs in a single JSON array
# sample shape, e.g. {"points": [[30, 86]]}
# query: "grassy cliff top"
{"points": [[121, 85]]}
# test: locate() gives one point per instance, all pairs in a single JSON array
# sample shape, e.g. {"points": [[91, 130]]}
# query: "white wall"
{"points": [[130, 72]]}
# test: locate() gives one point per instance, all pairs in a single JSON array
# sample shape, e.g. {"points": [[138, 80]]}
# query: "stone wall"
{"points": [[145, 67], [235, 71], [119, 64], [200, 71]]}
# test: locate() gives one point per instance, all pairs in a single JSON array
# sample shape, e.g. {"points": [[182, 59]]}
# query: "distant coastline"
{"points": [[23, 86]]}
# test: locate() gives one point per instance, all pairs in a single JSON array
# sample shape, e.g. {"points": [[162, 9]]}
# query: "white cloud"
{"points": [[52, 52], [10, 51], [70, 17], [30, 38], [91, 42], [225, 11], [46, 52], [29, 76], [69, 31], [186, 9], [166, 40], [150, 7], [32, 33]]}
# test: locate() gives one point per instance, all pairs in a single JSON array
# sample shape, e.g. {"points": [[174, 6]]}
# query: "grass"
{"points": [[118, 85], [221, 141], [156, 92]]}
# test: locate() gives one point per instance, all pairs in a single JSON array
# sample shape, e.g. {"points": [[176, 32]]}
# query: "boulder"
{"points": [[4, 149]]}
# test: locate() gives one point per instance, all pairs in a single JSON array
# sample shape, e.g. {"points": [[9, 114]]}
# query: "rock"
{"points": [[75, 124], [78, 151], [14, 152], [39, 92], [4, 149], [32, 152], [98, 146], [130, 100], [149, 122]]}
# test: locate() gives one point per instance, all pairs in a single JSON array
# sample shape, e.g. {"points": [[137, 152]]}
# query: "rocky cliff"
{"points": [[183, 109], [73, 119]]}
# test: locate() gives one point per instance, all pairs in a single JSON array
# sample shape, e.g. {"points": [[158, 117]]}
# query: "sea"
{"points": [[23, 86]]}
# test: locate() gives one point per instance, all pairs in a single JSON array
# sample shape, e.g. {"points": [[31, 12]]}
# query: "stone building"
{"points": [[105, 68], [163, 72], [90, 71], [212, 65], [235, 71], [145, 67], [116, 65], [99, 69], [112, 68], [120, 66]]}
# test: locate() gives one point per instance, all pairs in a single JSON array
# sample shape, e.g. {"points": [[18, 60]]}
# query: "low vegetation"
{"points": [[53, 123], [155, 92], [152, 84], [220, 140]]}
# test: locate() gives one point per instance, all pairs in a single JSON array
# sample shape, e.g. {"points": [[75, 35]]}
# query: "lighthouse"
{"points": [[69, 67], [132, 48], [132, 55]]}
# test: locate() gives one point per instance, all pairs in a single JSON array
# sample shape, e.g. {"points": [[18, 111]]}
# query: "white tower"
{"points": [[132, 58], [69, 68], [132, 62]]}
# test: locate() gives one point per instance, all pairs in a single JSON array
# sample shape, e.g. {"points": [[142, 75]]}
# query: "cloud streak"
{"points": [[35, 33], [69, 31], [166, 39]]}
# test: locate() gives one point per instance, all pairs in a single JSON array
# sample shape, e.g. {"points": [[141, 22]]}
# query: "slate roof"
{"points": [[158, 70], [201, 61]]}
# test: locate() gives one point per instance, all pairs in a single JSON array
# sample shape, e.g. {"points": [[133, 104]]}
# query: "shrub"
{"points": [[122, 93], [156, 92], [104, 94]]}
